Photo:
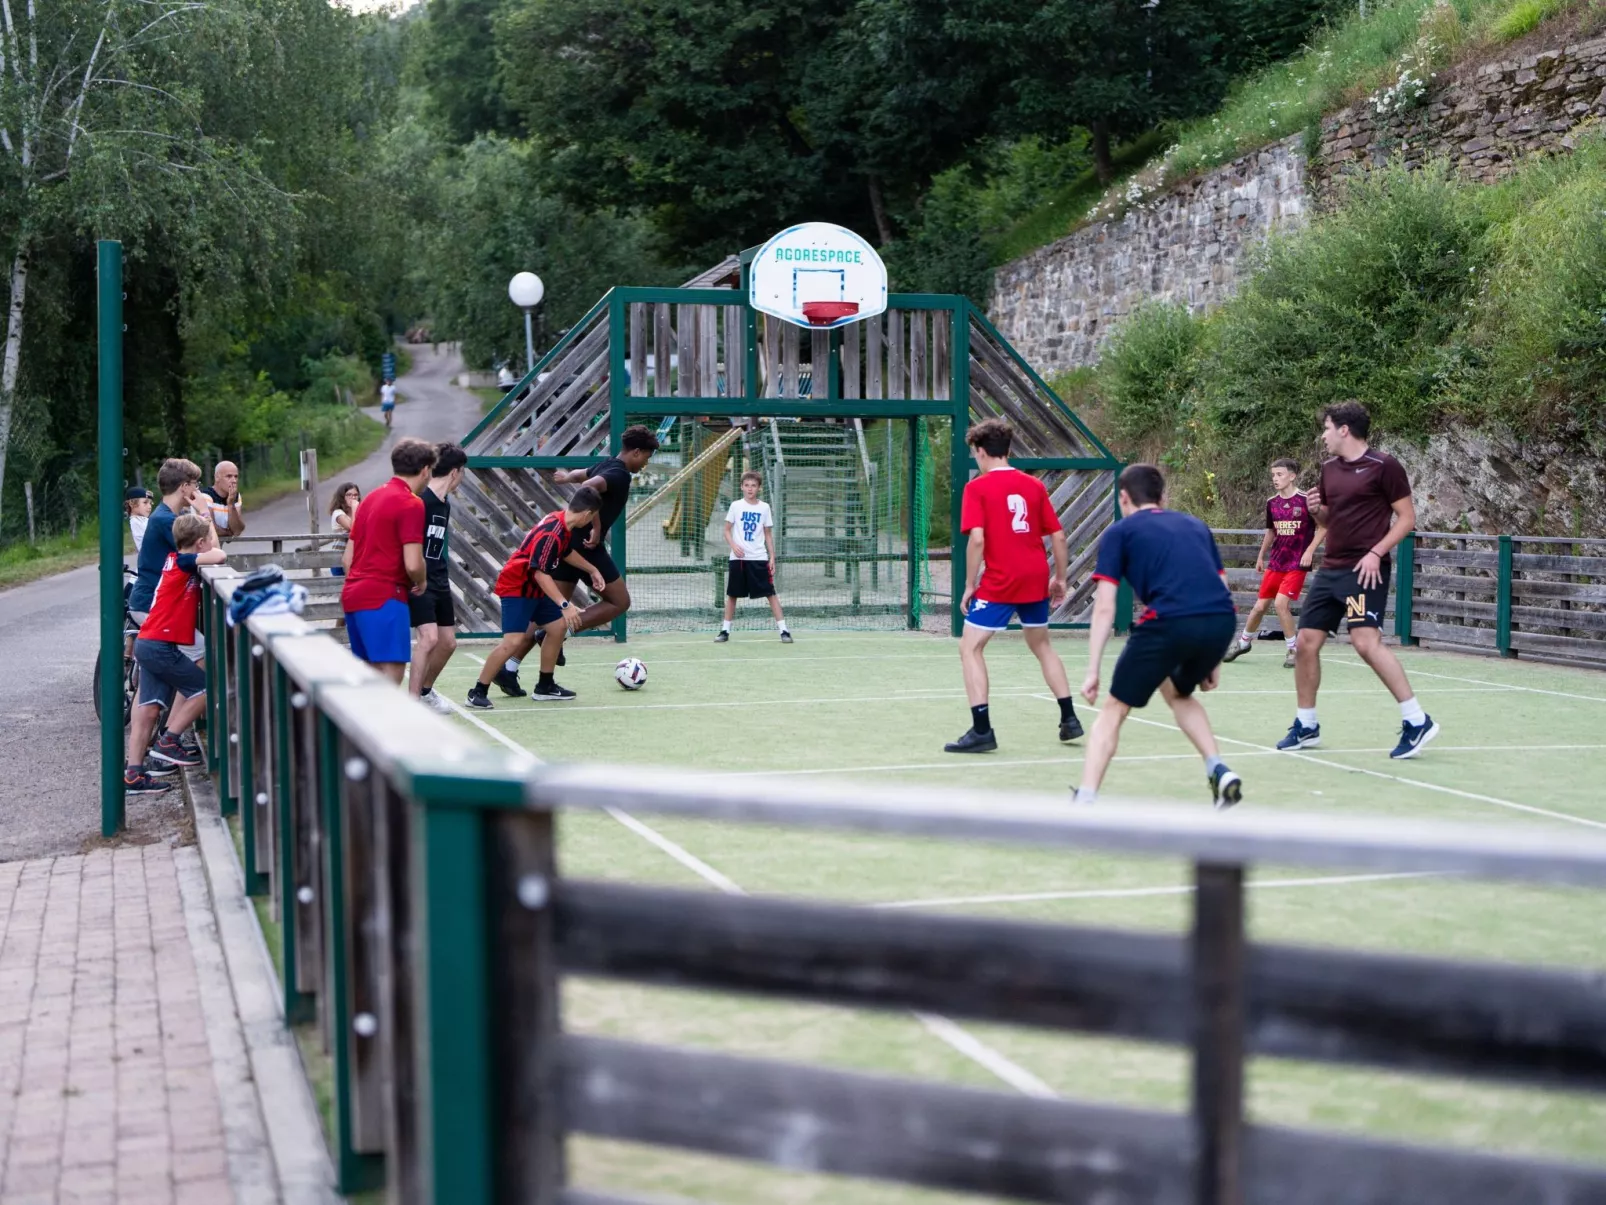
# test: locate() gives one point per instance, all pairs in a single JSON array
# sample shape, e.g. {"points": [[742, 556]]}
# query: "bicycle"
{"points": [[130, 666]]}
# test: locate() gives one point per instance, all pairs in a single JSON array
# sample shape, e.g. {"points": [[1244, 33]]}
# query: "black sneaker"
{"points": [[551, 694], [1413, 737], [189, 743], [1070, 729], [159, 769], [973, 742], [723, 637], [477, 698], [786, 637], [507, 680], [1226, 788], [140, 783], [1238, 649], [169, 750]]}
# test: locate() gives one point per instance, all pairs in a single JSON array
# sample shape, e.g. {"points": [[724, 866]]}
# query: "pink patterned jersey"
{"points": [[1291, 522]]}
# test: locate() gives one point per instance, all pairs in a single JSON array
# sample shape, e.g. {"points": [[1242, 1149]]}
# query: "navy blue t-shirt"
{"points": [[1170, 560], [153, 552]]}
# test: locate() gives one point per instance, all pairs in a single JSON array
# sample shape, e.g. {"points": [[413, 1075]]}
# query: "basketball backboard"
{"points": [[818, 275]]}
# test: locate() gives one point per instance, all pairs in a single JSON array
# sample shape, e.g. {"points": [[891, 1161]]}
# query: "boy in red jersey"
{"points": [[531, 597], [384, 562], [1285, 554], [164, 670], [1008, 514]]}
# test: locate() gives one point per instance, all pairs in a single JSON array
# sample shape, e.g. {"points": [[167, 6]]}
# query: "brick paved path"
{"points": [[107, 1091]]}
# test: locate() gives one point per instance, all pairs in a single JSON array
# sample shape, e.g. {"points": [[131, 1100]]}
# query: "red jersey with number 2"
{"points": [[1013, 510]]}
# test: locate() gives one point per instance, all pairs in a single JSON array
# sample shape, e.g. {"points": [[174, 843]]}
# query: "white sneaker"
{"points": [[436, 702]]}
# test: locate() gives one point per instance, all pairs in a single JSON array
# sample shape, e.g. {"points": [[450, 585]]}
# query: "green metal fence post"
{"points": [[354, 1172], [227, 804], [454, 1006], [109, 323], [298, 1005], [214, 676], [958, 458], [916, 544], [618, 400], [245, 789], [1502, 606], [1405, 590]]}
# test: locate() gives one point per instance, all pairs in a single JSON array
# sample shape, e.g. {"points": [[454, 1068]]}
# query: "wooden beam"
{"points": [[808, 1119]]}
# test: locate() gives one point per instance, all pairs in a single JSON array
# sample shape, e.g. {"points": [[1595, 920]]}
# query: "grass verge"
{"points": [[21, 563], [271, 489]]}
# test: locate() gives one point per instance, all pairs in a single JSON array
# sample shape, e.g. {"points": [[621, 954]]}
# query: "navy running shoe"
{"points": [[1301, 737], [1413, 737], [1226, 788], [507, 680]]}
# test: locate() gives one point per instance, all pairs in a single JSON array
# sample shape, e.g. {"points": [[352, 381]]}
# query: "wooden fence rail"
{"points": [[427, 929]]}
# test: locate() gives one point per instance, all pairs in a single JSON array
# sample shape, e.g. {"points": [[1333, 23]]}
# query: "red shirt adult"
{"points": [[388, 518], [1013, 510], [177, 602], [541, 551]]}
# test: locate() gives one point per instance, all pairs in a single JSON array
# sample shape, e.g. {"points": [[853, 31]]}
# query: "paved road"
{"points": [[49, 741]]}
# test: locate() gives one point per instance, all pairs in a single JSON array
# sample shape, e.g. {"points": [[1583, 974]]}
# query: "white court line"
{"points": [[1075, 757], [936, 694], [1114, 893], [1413, 782], [945, 1030], [1422, 673]]}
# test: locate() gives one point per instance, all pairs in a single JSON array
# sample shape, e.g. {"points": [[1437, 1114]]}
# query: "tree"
{"points": [[1117, 67], [458, 63], [105, 126]]}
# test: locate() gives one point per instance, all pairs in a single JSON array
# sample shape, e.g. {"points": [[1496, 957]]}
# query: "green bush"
{"points": [[1541, 327], [1147, 373], [1367, 303], [1524, 17]]}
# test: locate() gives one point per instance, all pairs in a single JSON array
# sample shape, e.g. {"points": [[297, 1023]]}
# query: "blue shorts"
{"points": [[519, 613], [387, 405], [995, 616], [164, 670], [383, 636]]}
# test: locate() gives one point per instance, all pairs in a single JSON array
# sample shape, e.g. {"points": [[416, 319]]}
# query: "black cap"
{"points": [[135, 492]]}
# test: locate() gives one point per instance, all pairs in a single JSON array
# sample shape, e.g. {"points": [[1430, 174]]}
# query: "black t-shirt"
{"points": [[437, 514], [614, 472]]}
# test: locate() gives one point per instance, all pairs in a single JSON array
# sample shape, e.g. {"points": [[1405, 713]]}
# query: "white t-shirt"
{"points": [[387, 395], [136, 524], [748, 521], [340, 531]]}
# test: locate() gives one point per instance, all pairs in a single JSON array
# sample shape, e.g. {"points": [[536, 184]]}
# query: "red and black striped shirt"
{"points": [[542, 551]]}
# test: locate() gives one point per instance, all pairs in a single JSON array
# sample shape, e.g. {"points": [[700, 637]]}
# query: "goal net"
{"points": [[846, 495]]}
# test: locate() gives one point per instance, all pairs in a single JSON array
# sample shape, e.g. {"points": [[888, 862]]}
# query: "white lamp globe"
{"points": [[526, 290]]}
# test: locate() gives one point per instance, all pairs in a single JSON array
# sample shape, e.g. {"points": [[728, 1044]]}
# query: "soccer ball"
{"points": [[631, 673]]}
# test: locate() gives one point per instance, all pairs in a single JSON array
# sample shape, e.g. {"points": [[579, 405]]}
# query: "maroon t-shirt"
{"points": [[1294, 528], [1359, 495]]}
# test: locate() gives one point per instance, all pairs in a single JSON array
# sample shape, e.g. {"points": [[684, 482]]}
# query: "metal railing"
{"points": [[427, 928]]}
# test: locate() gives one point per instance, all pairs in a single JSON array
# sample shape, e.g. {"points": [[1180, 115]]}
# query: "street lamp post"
{"points": [[525, 290]]}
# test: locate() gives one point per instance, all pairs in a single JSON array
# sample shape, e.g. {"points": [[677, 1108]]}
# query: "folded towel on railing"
{"points": [[265, 592]]}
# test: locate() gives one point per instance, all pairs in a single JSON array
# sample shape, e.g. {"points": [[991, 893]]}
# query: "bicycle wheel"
{"points": [[130, 689], [94, 690]]}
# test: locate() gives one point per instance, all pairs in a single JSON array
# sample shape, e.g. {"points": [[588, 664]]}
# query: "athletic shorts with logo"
{"points": [[1184, 650], [432, 606], [164, 670], [1336, 596], [598, 556], [518, 613], [1290, 583], [995, 616], [749, 579]]}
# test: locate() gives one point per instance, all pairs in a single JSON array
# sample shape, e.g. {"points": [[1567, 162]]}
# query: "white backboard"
{"points": [[818, 275]]}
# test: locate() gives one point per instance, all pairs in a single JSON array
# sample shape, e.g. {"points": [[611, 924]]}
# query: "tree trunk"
{"points": [[1101, 151], [878, 207], [10, 367]]}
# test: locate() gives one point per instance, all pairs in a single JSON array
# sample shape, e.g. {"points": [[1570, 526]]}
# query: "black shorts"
{"points": [[1335, 595], [1184, 650], [432, 606], [749, 579], [598, 556]]}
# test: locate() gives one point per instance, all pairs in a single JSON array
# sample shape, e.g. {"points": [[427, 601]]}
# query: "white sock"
{"points": [[513, 664], [1085, 795], [725, 626], [1411, 712], [781, 623], [1246, 638], [1293, 642], [1306, 716]]}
